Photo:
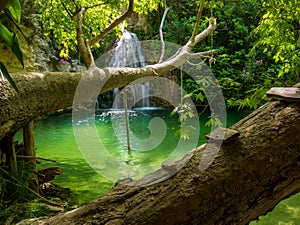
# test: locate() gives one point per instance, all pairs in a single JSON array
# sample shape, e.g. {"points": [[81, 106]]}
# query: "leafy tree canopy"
{"points": [[57, 19], [279, 30]]}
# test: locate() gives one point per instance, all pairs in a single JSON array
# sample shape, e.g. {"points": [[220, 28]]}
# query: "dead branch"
{"points": [[161, 35], [192, 39]]}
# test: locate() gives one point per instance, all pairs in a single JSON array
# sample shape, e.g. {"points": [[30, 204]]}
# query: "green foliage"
{"points": [[11, 41], [268, 30], [59, 26], [213, 121], [12, 11], [5, 73], [280, 35], [186, 113], [18, 201], [243, 77], [25, 210]]}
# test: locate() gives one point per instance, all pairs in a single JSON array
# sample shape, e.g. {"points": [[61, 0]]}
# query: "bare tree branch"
{"points": [[192, 39], [206, 54], [94, 6], [66, 8], [83, 47], [211, 27], [161, 35], [113, 25]]}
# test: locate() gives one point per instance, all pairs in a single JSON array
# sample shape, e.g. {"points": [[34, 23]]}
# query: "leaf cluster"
{"points": [[249, 59], [59, 24], [12, 12], [279, 30]]}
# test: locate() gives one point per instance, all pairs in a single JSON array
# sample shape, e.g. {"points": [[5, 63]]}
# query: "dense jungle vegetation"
{"points": [[257, 42], [257, 46]]}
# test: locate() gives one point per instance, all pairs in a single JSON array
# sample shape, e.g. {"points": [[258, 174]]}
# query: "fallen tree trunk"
{"points": [[41, 93], [249, 176]]}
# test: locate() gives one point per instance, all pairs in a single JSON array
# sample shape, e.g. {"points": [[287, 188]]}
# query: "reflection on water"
{"points": [[54, 139]]}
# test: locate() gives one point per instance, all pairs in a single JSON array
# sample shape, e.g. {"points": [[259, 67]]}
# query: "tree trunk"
{"points": [[249, 176], [28, 139], [41, 93], [7, 148]]}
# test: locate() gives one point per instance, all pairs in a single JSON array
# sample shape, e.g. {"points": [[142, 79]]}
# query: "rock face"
{"points": [[138, 22], [36, 54], [34, 45]]}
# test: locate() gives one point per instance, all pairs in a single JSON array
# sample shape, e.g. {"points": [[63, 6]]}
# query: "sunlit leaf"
{"points": [[11, 19], [5, 73], [11, 40], [14, 9]]}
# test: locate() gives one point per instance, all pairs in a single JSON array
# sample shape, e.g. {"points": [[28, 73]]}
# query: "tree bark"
{"points": [[249, 176], [41, 93], [3, 4], [28, 139], [8, 148]]}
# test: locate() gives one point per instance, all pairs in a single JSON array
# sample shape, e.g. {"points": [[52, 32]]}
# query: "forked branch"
{"points": [[192, 39], [113, 25]]}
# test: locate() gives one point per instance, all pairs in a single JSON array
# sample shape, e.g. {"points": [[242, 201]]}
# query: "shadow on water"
{"points": [[54, 139], [81, 178]]}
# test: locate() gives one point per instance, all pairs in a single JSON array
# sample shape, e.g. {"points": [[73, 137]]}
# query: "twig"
{"points": [[32, 191], [42, 198], [94, 6], [202, 55], [161, 35], [66, 8], [192, 39]]}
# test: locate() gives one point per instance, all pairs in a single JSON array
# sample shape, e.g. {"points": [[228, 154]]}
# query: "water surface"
{"points": [[54, 139]]}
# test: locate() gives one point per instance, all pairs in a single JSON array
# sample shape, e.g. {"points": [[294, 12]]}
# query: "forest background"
{"points": [[257, 42]]}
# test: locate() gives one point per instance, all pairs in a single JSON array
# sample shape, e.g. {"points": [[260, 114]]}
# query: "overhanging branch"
{"points": [[192, 39], [198, 38], [118, 21], [161, 35]]}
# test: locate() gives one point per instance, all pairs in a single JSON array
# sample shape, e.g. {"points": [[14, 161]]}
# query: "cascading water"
{"points": [[128, 53]]}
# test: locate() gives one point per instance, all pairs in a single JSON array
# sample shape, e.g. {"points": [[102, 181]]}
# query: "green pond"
{"points": [[55, 140]]}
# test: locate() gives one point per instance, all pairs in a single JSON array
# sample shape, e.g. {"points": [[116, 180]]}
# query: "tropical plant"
{"points": [[279, 31], [249, 59], [11, 9]]}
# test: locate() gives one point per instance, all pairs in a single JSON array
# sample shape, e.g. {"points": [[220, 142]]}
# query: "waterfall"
{"points": [[145, 92], [128, 53]]}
